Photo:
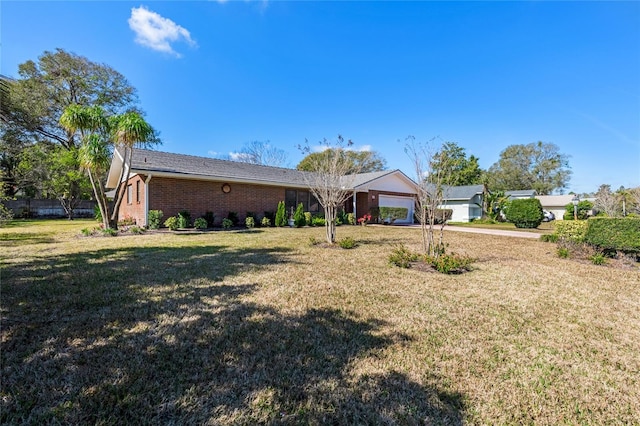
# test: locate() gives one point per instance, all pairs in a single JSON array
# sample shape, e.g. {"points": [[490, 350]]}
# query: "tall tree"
{"points": [[331, 181], [460, 170], [60, 79], [540, 166], [263, 153], [607, 201], [99, 134], [354, 161]]}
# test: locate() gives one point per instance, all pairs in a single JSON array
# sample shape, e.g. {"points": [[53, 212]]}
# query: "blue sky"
{"points": [[215, 75]]}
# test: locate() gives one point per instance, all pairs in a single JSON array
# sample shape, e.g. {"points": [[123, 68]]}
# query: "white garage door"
{"points": [[397, 201]]}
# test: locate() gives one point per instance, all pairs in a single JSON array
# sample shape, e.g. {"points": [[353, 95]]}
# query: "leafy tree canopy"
{"points": [[57, 80], [357, 161], [540, 166], [460, 169]]}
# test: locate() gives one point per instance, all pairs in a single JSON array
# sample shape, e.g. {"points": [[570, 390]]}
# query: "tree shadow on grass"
{"points": [[153, 336]]}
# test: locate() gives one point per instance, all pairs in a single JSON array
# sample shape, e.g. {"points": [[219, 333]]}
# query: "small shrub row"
{"points": [[446, 263], [614, 234]]}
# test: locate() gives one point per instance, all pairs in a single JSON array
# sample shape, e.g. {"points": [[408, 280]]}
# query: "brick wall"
{"points": [[173, 195], [133, 206]]}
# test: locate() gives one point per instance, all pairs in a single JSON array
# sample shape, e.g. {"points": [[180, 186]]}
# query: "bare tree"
{"points": [[634, 196], [606, 201], [331, 182], [260, 152], [432, 169]]}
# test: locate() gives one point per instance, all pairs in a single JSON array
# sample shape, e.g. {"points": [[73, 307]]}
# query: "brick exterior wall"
{"points": [[198, 196]]}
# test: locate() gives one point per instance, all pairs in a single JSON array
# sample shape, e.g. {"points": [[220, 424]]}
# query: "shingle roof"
{"points": [[465, 192], [164, 162]]}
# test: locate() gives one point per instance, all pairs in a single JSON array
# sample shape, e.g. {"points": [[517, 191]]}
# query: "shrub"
{"points": [[347, 243], [266, 222], [598, 259], [250, 222], [313, 241], [298, 217], [614, 234], [136, 230], [184, 219], [525, 213], [172, 223], [391, 214], [351, 219], [155, 216], [87, 232], [549, 238], [210, 218], [227, 223], [308, 218], [200, 223], [563, 252], [281, 215], [97, 214], [402, 256], [583, 209], [450, 263], [317, 221], [233, 217], [109, 232], [571, 230]]}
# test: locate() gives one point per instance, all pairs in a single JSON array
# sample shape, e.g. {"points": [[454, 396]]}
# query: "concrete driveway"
{"points": [[500, 232]]}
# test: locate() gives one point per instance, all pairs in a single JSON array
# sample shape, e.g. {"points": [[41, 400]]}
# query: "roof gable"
{"points": [[465, 192]]}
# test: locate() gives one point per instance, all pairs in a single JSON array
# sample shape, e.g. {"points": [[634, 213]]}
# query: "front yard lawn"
{"points": [[261, 327]]}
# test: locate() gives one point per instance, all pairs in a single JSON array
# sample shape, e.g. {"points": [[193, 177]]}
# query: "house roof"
{"points": [[159, 163], [465, 192], [521, 193]]}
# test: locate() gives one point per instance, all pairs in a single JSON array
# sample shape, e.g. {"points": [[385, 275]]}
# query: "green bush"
{"points": [[298, 217], [97, 214], [351, 219], [308, 218], [450, 263], [549, 238], [266, 222], [571, 230], [200, 223], [391, 214], [172, 223], [87, 232], [525, 213], [250, 222], [210, 218], [317, 221], [583, 209], [233, 217], [614, 234], [347, 243], [5, 214], [155, 216], [136, 230], [184, 219], [563, 252], [281, 215], [109, 232], [598, 259], [227, 223], [402, 257]]}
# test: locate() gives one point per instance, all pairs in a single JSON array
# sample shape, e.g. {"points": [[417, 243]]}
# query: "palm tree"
{"points": [[98, 133]]}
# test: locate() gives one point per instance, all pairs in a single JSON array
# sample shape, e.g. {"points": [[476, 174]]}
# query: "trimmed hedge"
{"points": [[525, 213], [614, 234]]}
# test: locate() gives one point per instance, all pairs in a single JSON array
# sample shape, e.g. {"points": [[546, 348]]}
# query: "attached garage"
{"points": [[398, 201]]}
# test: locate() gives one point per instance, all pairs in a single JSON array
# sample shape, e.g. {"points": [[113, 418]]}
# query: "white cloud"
{"points": [[363, 148], [213, 153], [157, 32], [239, 156]]}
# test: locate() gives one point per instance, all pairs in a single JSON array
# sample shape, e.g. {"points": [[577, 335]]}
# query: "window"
{"points": [[129, 194], [294, 197], [138, 191]]}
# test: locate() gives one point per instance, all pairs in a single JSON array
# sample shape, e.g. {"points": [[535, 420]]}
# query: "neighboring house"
{"points": [[521, 194], [465, 201], [175, 182], [555, 204]]}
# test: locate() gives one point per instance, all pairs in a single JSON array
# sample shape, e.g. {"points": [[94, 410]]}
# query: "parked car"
{"points": [[548, 216]]}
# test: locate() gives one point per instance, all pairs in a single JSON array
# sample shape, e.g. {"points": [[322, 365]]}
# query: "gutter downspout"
{"points": [[355, 213], [146, 200]]}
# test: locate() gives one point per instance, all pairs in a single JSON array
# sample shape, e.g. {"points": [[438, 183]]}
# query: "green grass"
{"points": [[545, 227], [246, 327]]}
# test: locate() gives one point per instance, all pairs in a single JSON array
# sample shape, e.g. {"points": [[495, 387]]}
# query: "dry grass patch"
{"points": [[261, 327]]}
